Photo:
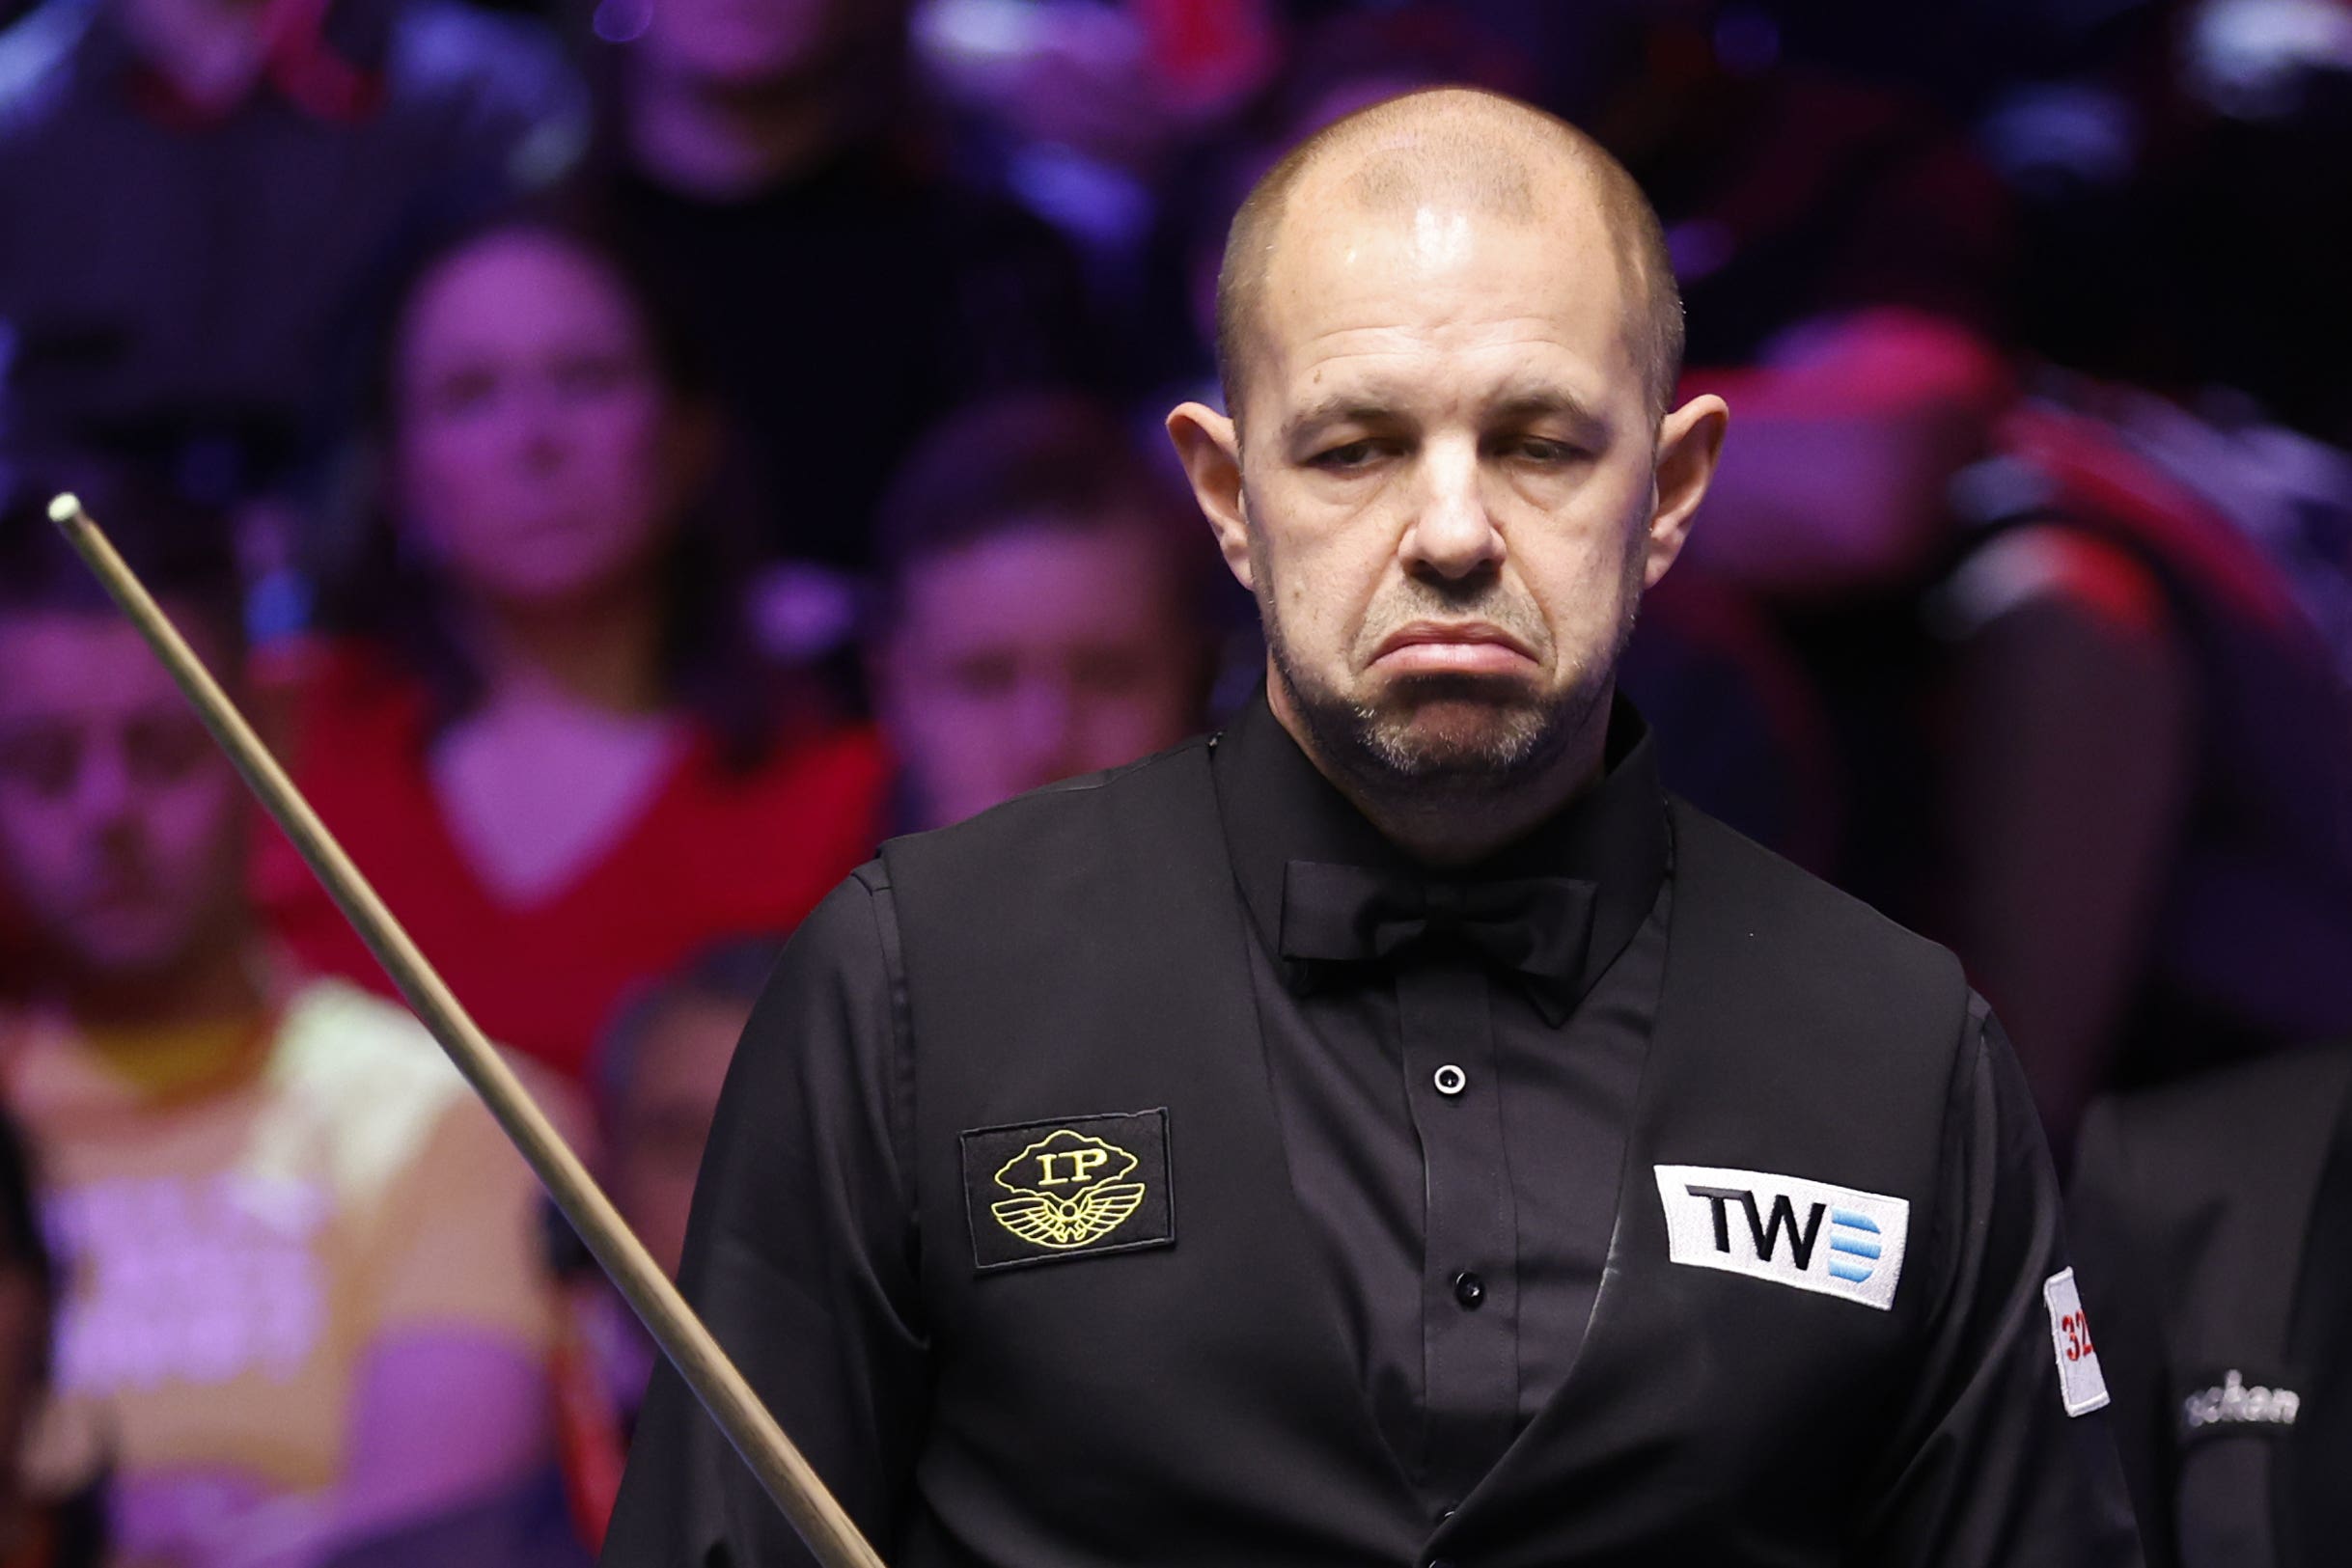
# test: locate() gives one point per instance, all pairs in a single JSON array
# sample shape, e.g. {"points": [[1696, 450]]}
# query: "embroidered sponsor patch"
{"points": [[2079, 1383], [2238, 1401], [1806, 1234], [1048, 1190]]}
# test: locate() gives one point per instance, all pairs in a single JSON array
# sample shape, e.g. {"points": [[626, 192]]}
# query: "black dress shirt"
{"points": [[1460, 1255], [1454, 1143]]}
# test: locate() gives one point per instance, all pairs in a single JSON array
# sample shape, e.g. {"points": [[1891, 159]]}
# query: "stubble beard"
{"points": [[1390, 753]]}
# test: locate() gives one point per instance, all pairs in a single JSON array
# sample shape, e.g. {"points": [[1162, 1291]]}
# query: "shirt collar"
{"points": [[1277, 807]]}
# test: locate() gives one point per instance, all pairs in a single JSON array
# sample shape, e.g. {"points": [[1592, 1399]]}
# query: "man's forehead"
{"points": [[1352, 298], [66, 660]]}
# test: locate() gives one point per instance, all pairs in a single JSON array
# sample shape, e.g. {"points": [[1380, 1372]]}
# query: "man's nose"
{"points": [[1044, 720], [103, 795], [541, 436], [1453, 534]]}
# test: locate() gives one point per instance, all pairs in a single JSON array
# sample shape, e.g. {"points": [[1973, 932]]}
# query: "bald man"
{"points": [[1390, 1131]]}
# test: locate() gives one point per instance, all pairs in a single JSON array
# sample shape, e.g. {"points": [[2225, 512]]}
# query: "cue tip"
{"points": [[65, 509]]}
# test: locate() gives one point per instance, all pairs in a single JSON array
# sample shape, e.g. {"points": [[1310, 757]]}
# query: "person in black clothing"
{"points": [[1390, 1131], [262, 166], [759, 157], [36, 1532], [2215, 1219]]}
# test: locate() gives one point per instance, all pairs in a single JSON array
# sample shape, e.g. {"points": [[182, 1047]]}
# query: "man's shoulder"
{"points": [[1153, 790], [1816, 934]]}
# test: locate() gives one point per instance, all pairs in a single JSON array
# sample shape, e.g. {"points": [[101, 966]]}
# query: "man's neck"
{"points": [[726, 144], [219, 982], [1452, 828], [606, 657]]}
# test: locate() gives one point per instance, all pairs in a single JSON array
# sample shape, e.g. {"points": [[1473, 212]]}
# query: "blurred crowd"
{"points": [[632, 458]]}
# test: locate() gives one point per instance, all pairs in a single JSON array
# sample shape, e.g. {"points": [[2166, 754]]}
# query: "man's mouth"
{"points": [[1466, 647]]}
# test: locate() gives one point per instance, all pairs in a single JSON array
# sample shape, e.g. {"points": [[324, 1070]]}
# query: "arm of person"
{"points": [[2074, 713], [2005, 1458], [802, 1259]]}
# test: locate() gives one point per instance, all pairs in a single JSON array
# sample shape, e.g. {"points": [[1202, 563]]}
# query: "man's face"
{"points": [[1447, 482], [659, 1131], [1032, 655], [538, 451], [120, 821]]}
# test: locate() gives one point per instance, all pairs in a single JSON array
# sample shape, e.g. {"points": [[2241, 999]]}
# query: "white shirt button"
{"points": [[1450, 1080]]}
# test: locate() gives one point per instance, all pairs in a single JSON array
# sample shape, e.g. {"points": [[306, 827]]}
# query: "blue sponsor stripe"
{"points": [[1857, 1222], [1847, 1243], [1846, 1271]]}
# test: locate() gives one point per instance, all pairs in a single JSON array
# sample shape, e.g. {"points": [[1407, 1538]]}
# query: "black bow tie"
{"points": [[1535, 926]]}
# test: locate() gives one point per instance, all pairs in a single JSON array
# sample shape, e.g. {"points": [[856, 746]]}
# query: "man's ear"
{"points": [[1208, 445], [1689, 441]]}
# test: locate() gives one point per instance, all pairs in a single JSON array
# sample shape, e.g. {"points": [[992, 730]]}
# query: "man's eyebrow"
{"points": [[1545, 402], [1355, 406]]}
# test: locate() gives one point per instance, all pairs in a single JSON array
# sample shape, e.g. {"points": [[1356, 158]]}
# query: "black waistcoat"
{"points": [[1080, 952]]}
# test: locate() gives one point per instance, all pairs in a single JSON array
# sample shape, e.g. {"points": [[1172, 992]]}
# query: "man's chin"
{"points": [[1457, 728]]}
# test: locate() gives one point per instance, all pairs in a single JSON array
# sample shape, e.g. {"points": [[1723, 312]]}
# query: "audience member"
{"points": [[35, 1532], [302, 1291], [760, 159], [541, 734], [659, 1068], [658, 1071], [201, 194], [2076, 716], [1793, 186], [1043, 608], [2212, 1220]]}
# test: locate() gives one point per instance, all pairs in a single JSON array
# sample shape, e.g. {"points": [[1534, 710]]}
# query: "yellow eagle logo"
{"points": [[1070, 1190]]}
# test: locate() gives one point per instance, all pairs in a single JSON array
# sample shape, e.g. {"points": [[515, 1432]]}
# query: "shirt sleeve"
{"points": [[801, 1256], [2123, 1285], [1991, 1470]]}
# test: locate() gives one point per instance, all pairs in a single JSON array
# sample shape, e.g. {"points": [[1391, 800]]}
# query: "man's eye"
{"points": [[41, 760], [984, 676], [166, 751], [1537, 450], [460, 394], [1354, 455]]}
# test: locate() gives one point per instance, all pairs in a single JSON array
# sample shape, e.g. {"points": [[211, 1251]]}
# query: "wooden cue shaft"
{"points": [[780, 1467]]}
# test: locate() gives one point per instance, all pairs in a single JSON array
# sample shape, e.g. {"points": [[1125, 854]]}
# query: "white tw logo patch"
{"points": [[1808, 1235]]}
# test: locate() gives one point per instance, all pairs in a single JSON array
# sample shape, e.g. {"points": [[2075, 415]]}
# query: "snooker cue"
{"points": [[782, 1471]]}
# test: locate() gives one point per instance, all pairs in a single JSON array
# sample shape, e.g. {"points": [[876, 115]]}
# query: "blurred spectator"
{"points": [[303, 1293], [1792, 186], [1089, 105], [2212, 1220], [201, 194], [2080, 728], [543, 736], [33, 1532], [759, 157], [1043, 609], [2151, 752], [659, 1068], [658, 1071]]}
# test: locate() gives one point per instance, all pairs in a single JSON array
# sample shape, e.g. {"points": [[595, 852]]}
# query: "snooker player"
{"points": [[1390, 1132]]}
